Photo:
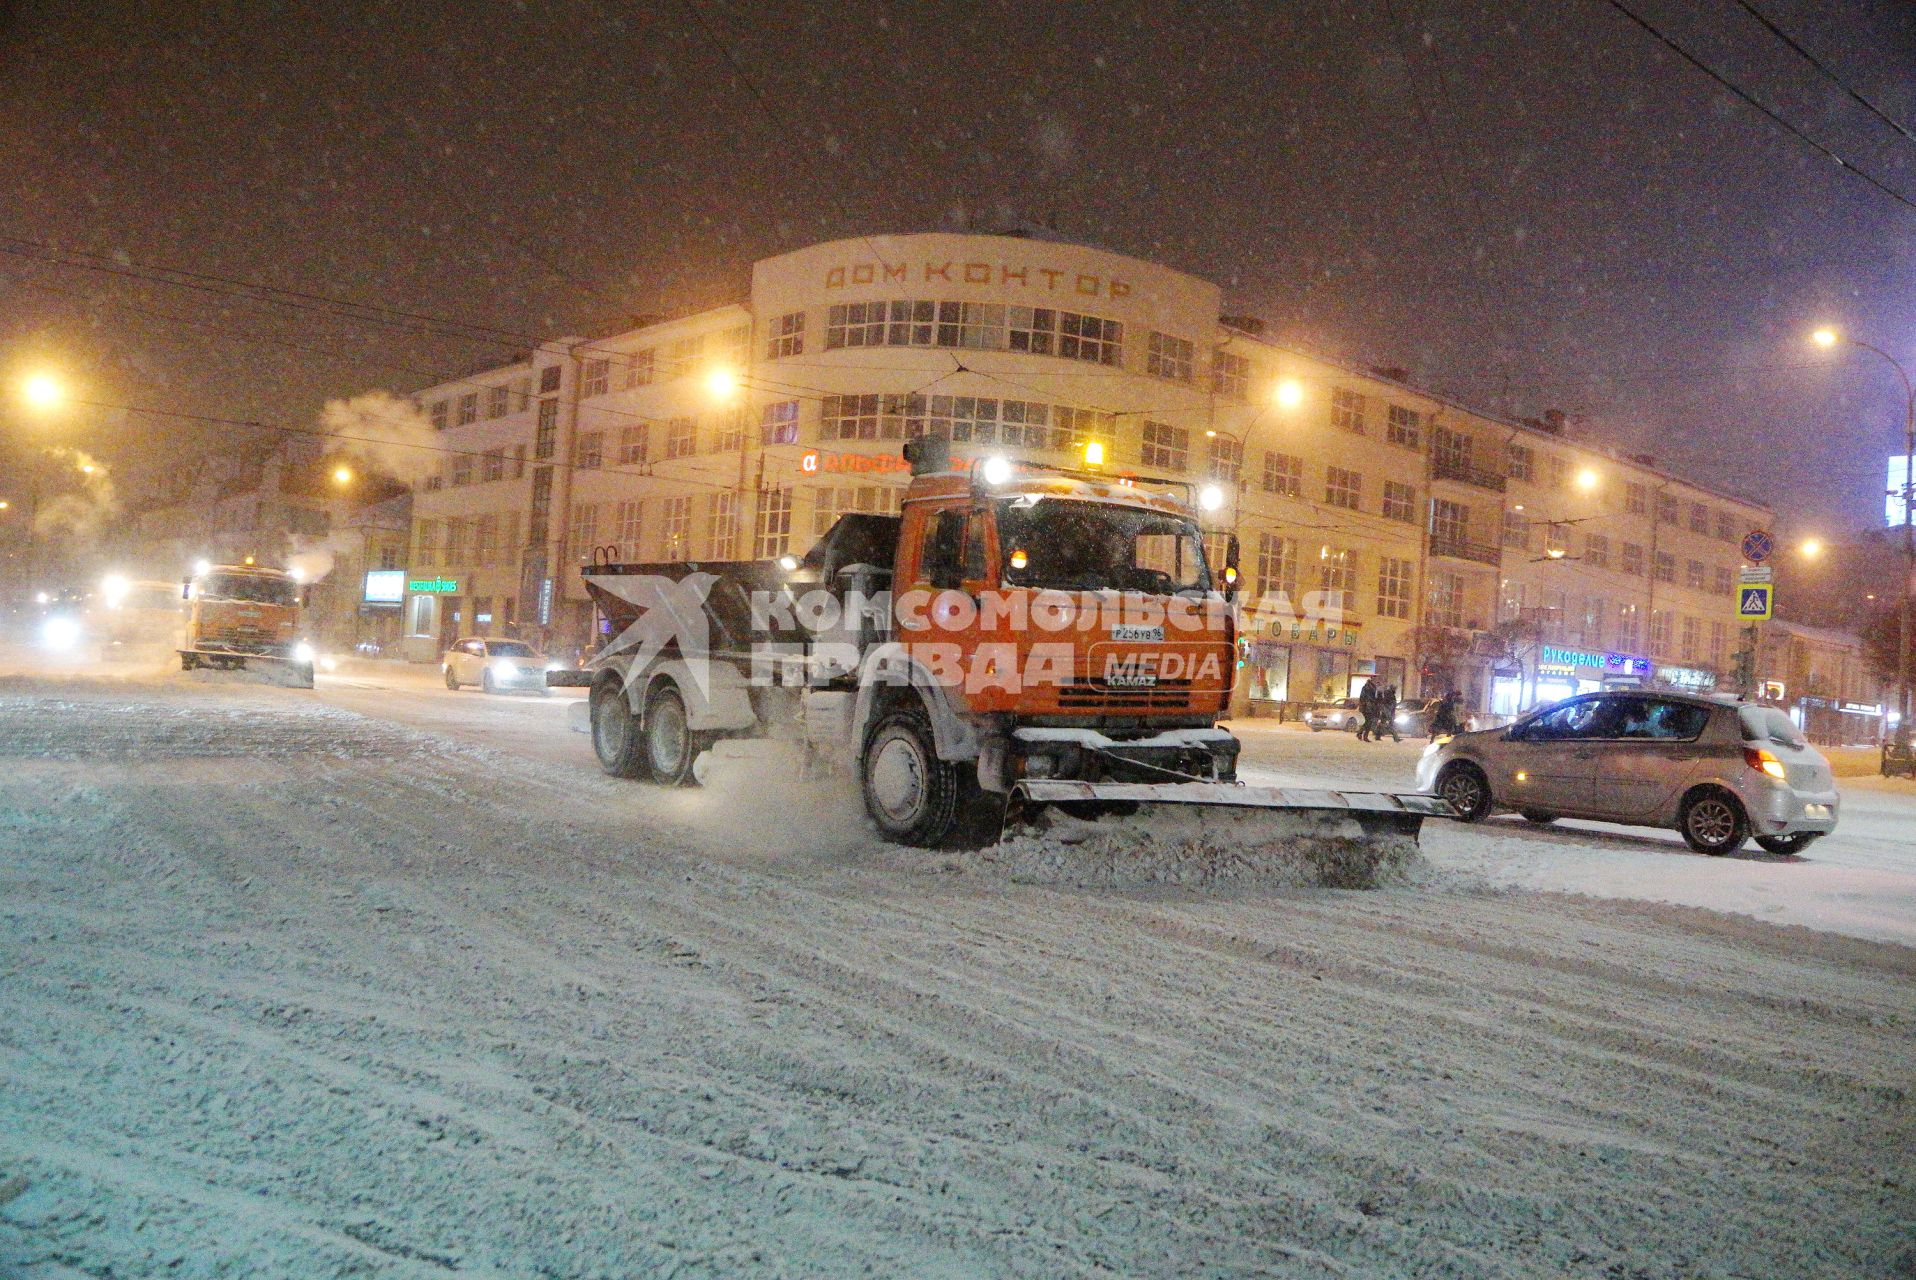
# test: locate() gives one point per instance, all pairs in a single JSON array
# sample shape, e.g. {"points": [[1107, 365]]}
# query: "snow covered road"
{"points": [[385, 981]]}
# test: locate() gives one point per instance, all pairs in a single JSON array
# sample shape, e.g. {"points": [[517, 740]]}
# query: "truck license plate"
{"points": [[1137, 634]]}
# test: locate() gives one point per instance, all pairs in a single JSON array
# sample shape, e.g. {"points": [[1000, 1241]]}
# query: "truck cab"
{"points": [[241, 614]]}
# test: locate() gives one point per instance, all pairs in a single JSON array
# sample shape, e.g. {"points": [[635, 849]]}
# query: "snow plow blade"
{"points": [[1209, 833]]}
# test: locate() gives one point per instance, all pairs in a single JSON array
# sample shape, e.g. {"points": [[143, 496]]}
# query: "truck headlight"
{"points": [[60, 633], [303, 653]]}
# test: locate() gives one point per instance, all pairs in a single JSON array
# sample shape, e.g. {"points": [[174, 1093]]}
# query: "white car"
{"points": [[1341, 715], [497, 666]]}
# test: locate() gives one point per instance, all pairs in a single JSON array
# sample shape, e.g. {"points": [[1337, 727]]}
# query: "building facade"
{"points": [[1822, 678], [1391, 534]]}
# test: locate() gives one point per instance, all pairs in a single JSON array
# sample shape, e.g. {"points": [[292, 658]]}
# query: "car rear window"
{"points": [[1767, 724]]}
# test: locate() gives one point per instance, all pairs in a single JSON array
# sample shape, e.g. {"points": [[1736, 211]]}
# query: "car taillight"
{"points": [[1764, 761]]}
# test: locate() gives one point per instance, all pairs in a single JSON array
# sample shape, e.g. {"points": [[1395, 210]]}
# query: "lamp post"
{"points": [[1829, 338]]}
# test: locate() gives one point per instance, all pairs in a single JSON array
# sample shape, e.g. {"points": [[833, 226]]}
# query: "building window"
{"points": [[735, 347], [1634, 498], [1667, 506], [521, 394], [641, 367], [675, 528], [441, 413], [786, 336], [468, 409], [1723, 580], [1516, 531], [597, 377], [1276, 564], [1699, 519], [1227, 459], [591, 449], [773, 532], [682, 356], [546, 434], [485, 541], [585, 530], [1596, 551], [849, 417], [518, 462], [1337, 576], [1400, 501], [1347, 410], [1072, 429], [1082, 337], [461, 469], [1691, 627], [830, 503], [493, 465], [1659, 631], [455, 543], [778, 423], [1169, 357], [722, 522], [1451, 448], [1343, 488], [1665, 567], [1632, 561], [728, 435], [1518, 461], [426, 553], [1284, 473], [549, 379], [1450, 522], [1695, 575], [1445, 607], [1393, 587], [1719, 643], [681, 437], [629, 528], [497, 398], [1230, 375], [1559, 471], [632, 441], [1726, 526], [1405, 427], [1165, 446]]}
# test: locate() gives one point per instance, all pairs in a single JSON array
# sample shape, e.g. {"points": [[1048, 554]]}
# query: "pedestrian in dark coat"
{"points": [[1444, 719], [1367, 712]]}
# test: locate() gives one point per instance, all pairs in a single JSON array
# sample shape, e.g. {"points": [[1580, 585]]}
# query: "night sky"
{"points": [[1532, 196]]}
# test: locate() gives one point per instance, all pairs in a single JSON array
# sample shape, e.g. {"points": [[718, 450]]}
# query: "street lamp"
{"points": [[1588, 479], [1811, 548], [342, 475], [1828, 337], [1288, 393], [42, 391]]}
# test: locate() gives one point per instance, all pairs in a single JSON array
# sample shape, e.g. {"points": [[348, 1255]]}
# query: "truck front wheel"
{"points": [[615, 732], [910, 793]]}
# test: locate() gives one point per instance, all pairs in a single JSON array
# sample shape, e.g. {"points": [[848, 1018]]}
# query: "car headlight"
{"points": [[60, 633], [503, 667], [1402, 718], [303, 652], [555, 666]]}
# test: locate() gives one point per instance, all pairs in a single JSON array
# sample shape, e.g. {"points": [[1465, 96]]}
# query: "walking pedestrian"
{"points": [[1389, 699], [1366, 712], [1444, 719]]}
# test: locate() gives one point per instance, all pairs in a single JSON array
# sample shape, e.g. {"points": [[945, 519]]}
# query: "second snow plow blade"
{"points": [[1129, 834]]}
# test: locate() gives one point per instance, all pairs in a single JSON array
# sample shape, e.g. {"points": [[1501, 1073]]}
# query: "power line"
{"points": [[1828, 74], [1751, 99]]}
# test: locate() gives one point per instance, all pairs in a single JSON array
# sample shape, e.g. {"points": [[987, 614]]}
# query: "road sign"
{"points": [[1755, 573], [1754, 600], [1757, 545]]}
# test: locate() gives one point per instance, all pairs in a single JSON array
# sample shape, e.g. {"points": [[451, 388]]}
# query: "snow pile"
{"points": [[1205, 845]]}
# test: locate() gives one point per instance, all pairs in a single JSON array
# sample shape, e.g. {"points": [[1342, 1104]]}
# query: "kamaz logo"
{"points": [[1144, 670]]}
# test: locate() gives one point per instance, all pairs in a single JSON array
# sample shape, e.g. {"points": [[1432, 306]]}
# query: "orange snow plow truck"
{"points": [[1022, 642], [240, 615]]}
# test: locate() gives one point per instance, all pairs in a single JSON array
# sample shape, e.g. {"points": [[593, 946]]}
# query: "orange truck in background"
{"points": [[238, 615]]}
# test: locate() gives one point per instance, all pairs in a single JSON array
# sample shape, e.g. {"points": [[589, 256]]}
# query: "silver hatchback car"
{"points": [[1718, 772]]}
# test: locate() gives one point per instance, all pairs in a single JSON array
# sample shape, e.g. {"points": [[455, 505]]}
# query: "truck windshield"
{"points": [[1071, 545], [252, 587]]}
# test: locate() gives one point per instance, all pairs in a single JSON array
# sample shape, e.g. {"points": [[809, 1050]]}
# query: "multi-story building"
{"points": [[1823, 679], [1398, 535]]}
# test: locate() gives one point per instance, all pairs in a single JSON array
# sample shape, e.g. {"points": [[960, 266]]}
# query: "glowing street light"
{"points": [[1811, 548], [1288, 394], [721, 383], [1210, 497], [1825, 337], [42, 391], [4, 504], [342, 475], [1587, 479]]}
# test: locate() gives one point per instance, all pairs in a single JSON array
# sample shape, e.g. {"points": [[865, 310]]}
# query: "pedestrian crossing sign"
{"points": [[1754, 600]]}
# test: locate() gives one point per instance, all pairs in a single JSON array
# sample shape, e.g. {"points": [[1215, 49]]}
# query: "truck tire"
{"points": [[909, 792], [669, 745], [615, 732]]}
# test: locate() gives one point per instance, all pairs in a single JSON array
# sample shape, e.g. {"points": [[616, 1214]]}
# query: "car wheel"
{"points": [[670, 744], [452, 681], [1795, 843], [1713, 822], [1317, 728], [1539, 817], [1467, 791], [615, 732], [909, 792]]}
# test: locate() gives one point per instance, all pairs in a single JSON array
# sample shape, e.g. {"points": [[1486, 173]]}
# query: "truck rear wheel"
{"points": [[669, 744], [910, 793], [615, 732]]}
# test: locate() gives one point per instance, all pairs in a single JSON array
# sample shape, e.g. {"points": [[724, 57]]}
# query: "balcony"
{"points": [[1459, 549], [1463, 473]]}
